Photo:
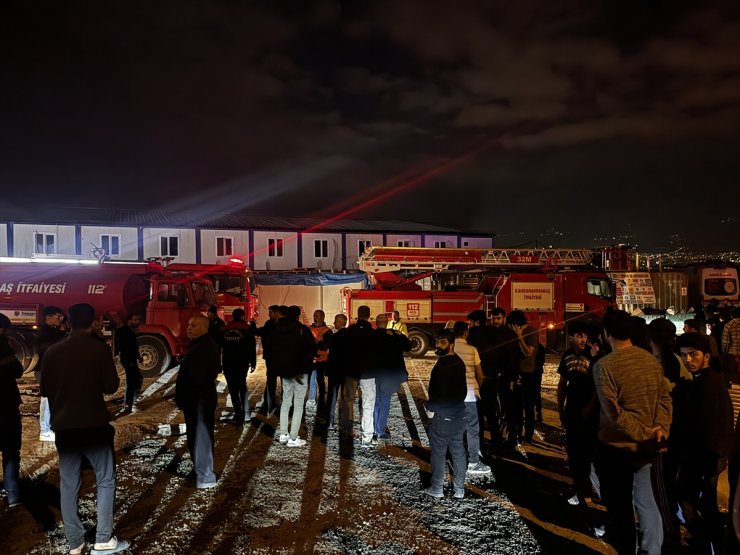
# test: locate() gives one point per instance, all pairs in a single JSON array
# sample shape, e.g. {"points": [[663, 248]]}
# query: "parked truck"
{"points": [[429, 287], [166, 301], [232, 282]]}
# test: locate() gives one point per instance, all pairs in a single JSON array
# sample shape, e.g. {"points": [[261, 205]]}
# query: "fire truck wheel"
{"points": [[22, 345], [155, 354], [419, 343]]}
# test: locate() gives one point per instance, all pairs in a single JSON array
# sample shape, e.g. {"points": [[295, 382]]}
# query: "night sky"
{"points": [[555, 122]]}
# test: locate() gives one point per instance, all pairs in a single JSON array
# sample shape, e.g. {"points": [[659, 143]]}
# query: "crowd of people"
{"points": [[647, 415]]}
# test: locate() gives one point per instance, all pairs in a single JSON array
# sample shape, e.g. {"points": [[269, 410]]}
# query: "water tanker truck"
{"points": [[165, 301]]}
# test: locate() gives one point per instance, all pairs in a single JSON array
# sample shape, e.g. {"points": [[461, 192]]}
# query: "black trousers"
{"points": [[697, 493], [133, 382], [269, 398], [236, 379], [580, 444], [528, 397], [490, 410]]}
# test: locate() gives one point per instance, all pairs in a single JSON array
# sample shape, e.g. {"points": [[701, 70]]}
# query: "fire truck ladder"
{"points": [[394, 259]]}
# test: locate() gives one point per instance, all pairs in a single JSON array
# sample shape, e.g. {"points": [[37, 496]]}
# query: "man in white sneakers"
{"points": [[80, 418]]}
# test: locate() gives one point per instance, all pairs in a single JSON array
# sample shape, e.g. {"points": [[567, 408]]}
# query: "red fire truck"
{"points": [[429, 287], [167, 300], [232, 282]]}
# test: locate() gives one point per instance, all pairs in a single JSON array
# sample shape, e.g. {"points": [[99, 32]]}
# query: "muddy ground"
{"points": [[326, 497]]}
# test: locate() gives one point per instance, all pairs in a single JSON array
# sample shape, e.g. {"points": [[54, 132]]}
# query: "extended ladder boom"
{"points": [[394, 259]]}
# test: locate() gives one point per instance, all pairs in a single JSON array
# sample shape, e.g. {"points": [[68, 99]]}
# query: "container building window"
{"points": [[321, 248], [275, 248], [44, 243], [169, 246], [111, 244], [224, 246]]}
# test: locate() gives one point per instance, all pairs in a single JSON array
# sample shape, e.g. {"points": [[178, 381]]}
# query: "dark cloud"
{"points": [[300, 108]]}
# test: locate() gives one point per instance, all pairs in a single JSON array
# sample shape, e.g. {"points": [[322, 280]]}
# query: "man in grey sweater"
{"points": [[635, 416]]}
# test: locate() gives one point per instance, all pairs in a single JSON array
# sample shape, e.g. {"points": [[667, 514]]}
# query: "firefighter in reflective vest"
{"points": [[397, 324]]}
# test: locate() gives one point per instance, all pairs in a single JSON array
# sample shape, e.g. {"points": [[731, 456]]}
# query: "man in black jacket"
{"points": [[195, 394], [239, 357], [293, 349], [390, 371], [49, 333], [75, 375], [128, 352], [708, 443], [359, 372], [10, 416], [446, 409], [269, 398], [338, 360]]}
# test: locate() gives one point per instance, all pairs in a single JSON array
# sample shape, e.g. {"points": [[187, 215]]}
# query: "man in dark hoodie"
{"points": [[336, 365], [293, 349], [446, 409], [10, 416], [195, 394], [708, 443], [390, 371]]}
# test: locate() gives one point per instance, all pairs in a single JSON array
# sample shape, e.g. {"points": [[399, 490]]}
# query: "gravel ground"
{"points": [[328, 497]]}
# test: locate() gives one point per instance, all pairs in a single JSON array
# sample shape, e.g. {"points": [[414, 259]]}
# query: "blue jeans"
{"points": [[293, 394], [382, 410], [95, 444], [651, 522], [10, 445], [446, 433], [44, 416]]}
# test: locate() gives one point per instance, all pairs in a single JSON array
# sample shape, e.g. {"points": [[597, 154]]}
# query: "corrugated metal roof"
{"points": [[165, 218]]}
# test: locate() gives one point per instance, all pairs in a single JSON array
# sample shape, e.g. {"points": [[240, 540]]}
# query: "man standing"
{"points": [[10, 416], [75, 375], [239, 357], [293, 351], [446, 410], [269, 398], [708, 442], [473, 377], [577, 409], [322, 336], [195, 395], [397, 324], [215, 324], [390, 372], [128, 351], [336, 366], [634, 419], [49, 333], [360, 372], [527, 340]]}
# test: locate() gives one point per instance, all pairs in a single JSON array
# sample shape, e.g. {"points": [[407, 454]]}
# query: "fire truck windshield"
{"points": [[203, 293], [232, 284], [600, 287]]}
